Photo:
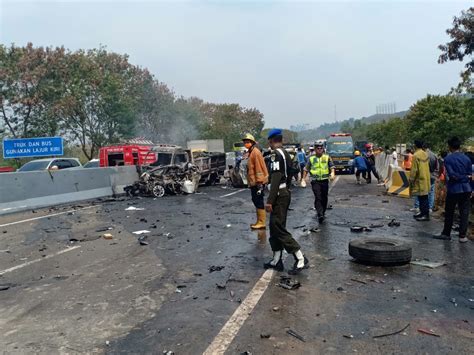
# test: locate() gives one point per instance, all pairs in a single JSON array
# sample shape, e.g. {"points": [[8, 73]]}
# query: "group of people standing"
{"points": [[453, 171], [276, 172]]}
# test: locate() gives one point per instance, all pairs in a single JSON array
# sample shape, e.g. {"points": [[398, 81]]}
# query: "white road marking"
{"points": [[232, 193], [227, 334], [38, 260], [46, 216]]}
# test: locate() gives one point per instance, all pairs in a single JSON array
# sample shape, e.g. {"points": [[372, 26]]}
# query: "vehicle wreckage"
{"points": [[166, 180], [177, 171]]}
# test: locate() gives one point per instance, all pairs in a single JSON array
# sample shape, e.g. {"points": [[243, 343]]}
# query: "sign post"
{"points": [[32, 147]]}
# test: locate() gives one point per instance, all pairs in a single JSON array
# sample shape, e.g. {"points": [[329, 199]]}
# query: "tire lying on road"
{"points": [[380, 251]]}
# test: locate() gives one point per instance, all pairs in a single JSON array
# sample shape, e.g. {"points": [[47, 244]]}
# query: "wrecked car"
{"points": [[166, 180]]}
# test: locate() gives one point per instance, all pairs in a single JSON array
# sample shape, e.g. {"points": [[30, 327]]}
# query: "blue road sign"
{"points": [[32, 147]]}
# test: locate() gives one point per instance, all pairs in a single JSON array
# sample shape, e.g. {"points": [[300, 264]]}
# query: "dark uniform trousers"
{"points": [[320, 190], [280, 238], [257, 199]]}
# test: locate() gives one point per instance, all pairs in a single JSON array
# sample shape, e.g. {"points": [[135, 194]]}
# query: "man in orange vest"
{"points": [[257, 177]]}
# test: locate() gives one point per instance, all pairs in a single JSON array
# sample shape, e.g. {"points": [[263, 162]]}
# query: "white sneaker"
{"points": [[431, 210], [417, 210]]}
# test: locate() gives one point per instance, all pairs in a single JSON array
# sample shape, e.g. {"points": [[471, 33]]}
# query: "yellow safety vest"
{"points": [[319, 167]]}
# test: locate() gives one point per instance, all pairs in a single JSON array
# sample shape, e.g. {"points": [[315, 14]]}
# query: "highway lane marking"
{"points": [[45, 216], [233, 193], [228, 332], [38, 260]]}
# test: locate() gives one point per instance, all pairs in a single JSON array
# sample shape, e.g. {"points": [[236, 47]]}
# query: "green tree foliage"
{"points": [[461, 46], [30, 81], [436, 118], [230, 122], [95, 97]]}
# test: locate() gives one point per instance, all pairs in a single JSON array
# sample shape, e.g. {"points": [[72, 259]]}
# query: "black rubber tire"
{"points": [[380, 251]]}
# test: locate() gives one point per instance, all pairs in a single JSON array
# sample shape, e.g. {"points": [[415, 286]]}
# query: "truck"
{"points": [[206, 145], [340, 148], [136, 153]]}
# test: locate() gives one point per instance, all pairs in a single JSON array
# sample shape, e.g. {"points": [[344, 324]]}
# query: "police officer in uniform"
{"points": [[277, 205], [321, 169]]}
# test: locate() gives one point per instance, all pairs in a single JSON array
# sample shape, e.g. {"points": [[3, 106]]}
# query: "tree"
{"points": [[30, 82], [101, 96], [461, 46], [230, 122], [436, 118]]}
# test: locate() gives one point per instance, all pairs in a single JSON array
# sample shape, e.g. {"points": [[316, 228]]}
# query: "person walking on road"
{"points": [[458, 181], [257, 177], [360, 166], [370, 163], [301, 156], [277, 205], [420, 181], [321, 169]]}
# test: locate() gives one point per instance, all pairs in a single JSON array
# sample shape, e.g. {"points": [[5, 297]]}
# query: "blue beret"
{"points": [[275, 132]]}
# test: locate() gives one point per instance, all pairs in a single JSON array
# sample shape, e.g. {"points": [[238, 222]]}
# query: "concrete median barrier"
{"points": [[399, 183], [26, 190]]}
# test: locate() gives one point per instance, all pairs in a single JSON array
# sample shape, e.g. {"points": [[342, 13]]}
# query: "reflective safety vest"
{"points": [[319, 168]]}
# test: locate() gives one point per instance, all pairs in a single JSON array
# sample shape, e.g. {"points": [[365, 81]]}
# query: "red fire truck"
{"points": [[134, 152]]}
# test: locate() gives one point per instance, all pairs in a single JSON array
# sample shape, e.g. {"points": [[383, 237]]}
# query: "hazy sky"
{"points": [[292, 60]]}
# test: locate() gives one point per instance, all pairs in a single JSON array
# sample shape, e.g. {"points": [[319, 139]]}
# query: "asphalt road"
{"points": [[67, 289]]}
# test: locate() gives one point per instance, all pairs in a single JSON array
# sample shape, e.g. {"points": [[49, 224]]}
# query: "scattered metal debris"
{"points": [[359, 281], [394, 223], [428, 332], [142, 240], [360, 229], [348, 336], [265, 336], [288, 284], [133, 208], [295, 334], [141, 232], [215, 268], [107, 236], [394, 333]]}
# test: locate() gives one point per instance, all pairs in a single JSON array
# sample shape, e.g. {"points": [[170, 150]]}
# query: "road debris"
{"points": [[394, 223], [238, 280], [360, 229], [133, 208], [390, 334], [428, 332], [276, 309], [375, 225], [4, 287], [103, 229], [428, 264], [144, 231], [265, 336], [221, 286], [288, 284], [108, 236], [359, 281], [295, 334], [143, 240], [453, 301], [215, 268], [348, 336]]}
